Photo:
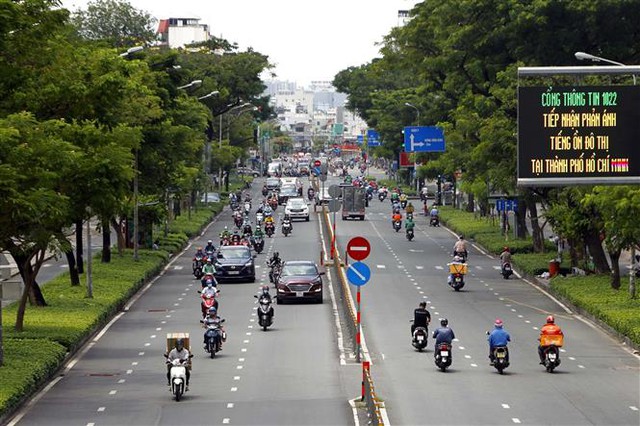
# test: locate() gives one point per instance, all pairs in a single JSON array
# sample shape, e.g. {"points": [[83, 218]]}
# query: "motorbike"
{"points": [[443, 357], [274, 272], [403, 204], [434, 221], [369, 196], [419, 339], [208, 301], [177, 377], [382, 195], [397, 225], [269, 228], [461, 254], [286, 229], [265, 311], [258, 244], [551, 357], [409, 234], [238, 221], [457, 281], [500, 358], [246, 229], [265, 191], [213, 337], [209, 254], [247, 208], [197, 267], [259, 218], [506, 270], [273, 203]]}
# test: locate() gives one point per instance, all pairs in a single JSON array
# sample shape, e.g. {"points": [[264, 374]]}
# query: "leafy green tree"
{"points": [[116, 22]]}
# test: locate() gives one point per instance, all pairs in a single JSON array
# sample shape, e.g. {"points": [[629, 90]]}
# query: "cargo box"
{"points": [[171, 343], [458, 268], [547, 340]]}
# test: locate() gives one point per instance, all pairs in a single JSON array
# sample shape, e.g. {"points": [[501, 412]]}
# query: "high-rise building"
{"points": [[178, 32]]}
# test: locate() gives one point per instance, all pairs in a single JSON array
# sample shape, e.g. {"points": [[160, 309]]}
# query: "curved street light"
{"points": [[194, 83], [208, 95], [131, 50], [582, 56], [417, 111]]}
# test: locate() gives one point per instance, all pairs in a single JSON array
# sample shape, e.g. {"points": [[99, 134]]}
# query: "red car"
{"points": [[299, 280]]}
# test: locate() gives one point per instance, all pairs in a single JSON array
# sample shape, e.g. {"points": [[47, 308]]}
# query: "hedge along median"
{"points": [[58, 330], [592, 294]]}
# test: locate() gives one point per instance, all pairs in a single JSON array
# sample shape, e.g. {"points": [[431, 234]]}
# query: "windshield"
{"points": [[234, 253], [297, 202], [300, 269], [288, 190]]}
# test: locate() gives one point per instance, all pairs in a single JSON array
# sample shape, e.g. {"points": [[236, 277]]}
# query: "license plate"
{"points": [[552, 357], [500, 354], [420, 338], [444, 353], [234, 272], [299, 293]]}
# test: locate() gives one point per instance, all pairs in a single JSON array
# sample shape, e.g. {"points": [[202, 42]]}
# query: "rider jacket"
{"points": [[421, 317], [443, 335], [498, 337]]}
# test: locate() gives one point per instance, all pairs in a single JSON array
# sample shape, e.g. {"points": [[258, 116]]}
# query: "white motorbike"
{"points": [[178, 377], [259, 218]]}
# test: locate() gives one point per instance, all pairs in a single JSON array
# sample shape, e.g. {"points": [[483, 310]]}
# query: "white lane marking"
{"points": [[439, 267], [505, 406], [64, 266], [409, 275], [121, 381], [527, 321], [178, 267], [245, 341], [520, 316], [147, 344], [129, 371], [226, 421], [91, 424], [252, 319], [467, 356], [474, 365], [381, 266], [633, 407], [581, 366], [236, 377], [248, 333], [113, 392], [249, 326], [234, 389], [176, 304], [230, 405], [140, 353], [421, 292], [562, 350], [478, 267], [419, 288], [180, 298], [354, 411], [419, 267], [238, 367], [513, 310], [101, 409], [46, 265], [158, 328], [572, 358], [134, 363], [461, 348], [515, 420], [240, 359], [153, 336], [497, 268], [535, 328]]}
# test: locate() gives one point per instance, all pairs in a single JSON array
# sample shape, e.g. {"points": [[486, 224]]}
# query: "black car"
{"points": [[286, 192], [299, 280], [235, 263]]}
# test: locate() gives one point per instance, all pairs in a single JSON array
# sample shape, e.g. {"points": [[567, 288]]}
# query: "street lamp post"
{"points": [[194, 83], [415, 161], [586, 56], [207, 152]]}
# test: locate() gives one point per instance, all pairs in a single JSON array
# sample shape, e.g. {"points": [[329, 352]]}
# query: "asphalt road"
{"points": [[597, 382], [289, 375]]}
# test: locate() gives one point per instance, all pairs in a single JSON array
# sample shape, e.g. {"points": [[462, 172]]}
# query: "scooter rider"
{"points": [[460, 247], [181, 353], [457, 260], [209, 248], [549, 329], [421, 317], [410, 209], [275, 260], [213, 318], [497, 337], [443, 334], [409, 224], [434, 211], [505, 256], [286, 220], [264, 294], [208, 268]]}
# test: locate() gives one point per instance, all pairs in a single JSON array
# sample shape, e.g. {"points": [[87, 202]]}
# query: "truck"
{"points": [[354, 201]]}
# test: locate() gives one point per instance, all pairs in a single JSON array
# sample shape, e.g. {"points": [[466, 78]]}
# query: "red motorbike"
{"points": [[208, 301], [273, 203]]}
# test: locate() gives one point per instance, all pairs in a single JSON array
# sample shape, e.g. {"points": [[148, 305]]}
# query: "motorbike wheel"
{"points": [[264, 327], [178, 393]]}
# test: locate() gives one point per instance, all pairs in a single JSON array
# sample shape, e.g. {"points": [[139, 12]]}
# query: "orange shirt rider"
{"points": [[397, 217]]}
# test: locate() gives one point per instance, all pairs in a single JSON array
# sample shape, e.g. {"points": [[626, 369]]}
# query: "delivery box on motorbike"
{"points": [[458, 268], [171, 343], [549, 340]]}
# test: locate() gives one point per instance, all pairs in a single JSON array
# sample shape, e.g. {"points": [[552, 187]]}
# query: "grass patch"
{"points": [[594, 294]]}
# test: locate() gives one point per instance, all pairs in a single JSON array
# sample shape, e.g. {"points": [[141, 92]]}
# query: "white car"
{"points": [[297, 208]]}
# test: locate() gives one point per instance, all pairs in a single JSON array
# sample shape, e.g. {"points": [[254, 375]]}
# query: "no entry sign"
{"points": [[358, 248]]}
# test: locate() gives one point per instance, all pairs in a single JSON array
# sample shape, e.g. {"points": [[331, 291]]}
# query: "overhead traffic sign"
{"points": [[358, 274], [358, 248], [423, 139], [335, 191], [373, 138], [317, 163]]}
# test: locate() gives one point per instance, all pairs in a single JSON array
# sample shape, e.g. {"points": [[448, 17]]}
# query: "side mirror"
{"points": [[255, 256], [202, 321], [255, 295], [488, 333], [199, 292], [322, 273], [222, 320]]}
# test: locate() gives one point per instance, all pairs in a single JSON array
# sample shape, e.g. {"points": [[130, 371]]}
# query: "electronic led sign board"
{"points": [[578, 135]]}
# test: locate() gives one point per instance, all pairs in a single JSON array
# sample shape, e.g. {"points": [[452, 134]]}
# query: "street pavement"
{"points": [[288, 375], [597, 382]]}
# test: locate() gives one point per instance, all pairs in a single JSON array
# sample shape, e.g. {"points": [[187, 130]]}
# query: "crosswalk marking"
{"points": [[381, 266]]}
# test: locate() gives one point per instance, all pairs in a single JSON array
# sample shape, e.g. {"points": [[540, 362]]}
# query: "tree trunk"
{"points": [[73, 270], [536, 231], [471, 207], [521, 221], [106, 240], [575, 252], [117, 225], [31, 289], [79, 247], [615, 269], [592, 240]]}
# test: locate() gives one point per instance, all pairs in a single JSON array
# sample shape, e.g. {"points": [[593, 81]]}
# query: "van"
{"points": [[275, 168]]}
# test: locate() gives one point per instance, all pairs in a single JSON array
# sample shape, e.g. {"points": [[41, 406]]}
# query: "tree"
{"points": [[116, 22]]}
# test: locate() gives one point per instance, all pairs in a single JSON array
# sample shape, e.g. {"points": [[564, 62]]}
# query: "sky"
{"points": [[307, 40]]}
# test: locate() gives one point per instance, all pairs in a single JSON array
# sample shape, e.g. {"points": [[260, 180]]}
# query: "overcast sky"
{"points": [[306, 39]]}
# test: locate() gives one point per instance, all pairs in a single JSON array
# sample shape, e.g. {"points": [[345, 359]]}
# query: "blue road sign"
{"points": [[423, 139], [316, 171], [506, 205], [358, 273], [359, 139], [373, 138]]}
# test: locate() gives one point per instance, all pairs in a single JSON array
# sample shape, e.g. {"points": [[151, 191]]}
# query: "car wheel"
{"points": [[319, 299], [252, 279], [307, 219], [279, 301]]}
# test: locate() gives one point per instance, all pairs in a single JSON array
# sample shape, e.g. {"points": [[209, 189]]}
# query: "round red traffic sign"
{"points": [[358, 248], [317, 163]]}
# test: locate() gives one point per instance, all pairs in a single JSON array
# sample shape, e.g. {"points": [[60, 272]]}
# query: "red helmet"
{"points": [[498, 322], [550, 319], [505, 248]]}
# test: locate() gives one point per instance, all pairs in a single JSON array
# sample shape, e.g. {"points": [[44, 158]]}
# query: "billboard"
{"points": [[578, 135]]}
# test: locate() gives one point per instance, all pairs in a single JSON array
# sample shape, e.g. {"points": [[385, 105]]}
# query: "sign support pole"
{"points": [[358, 325]]}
